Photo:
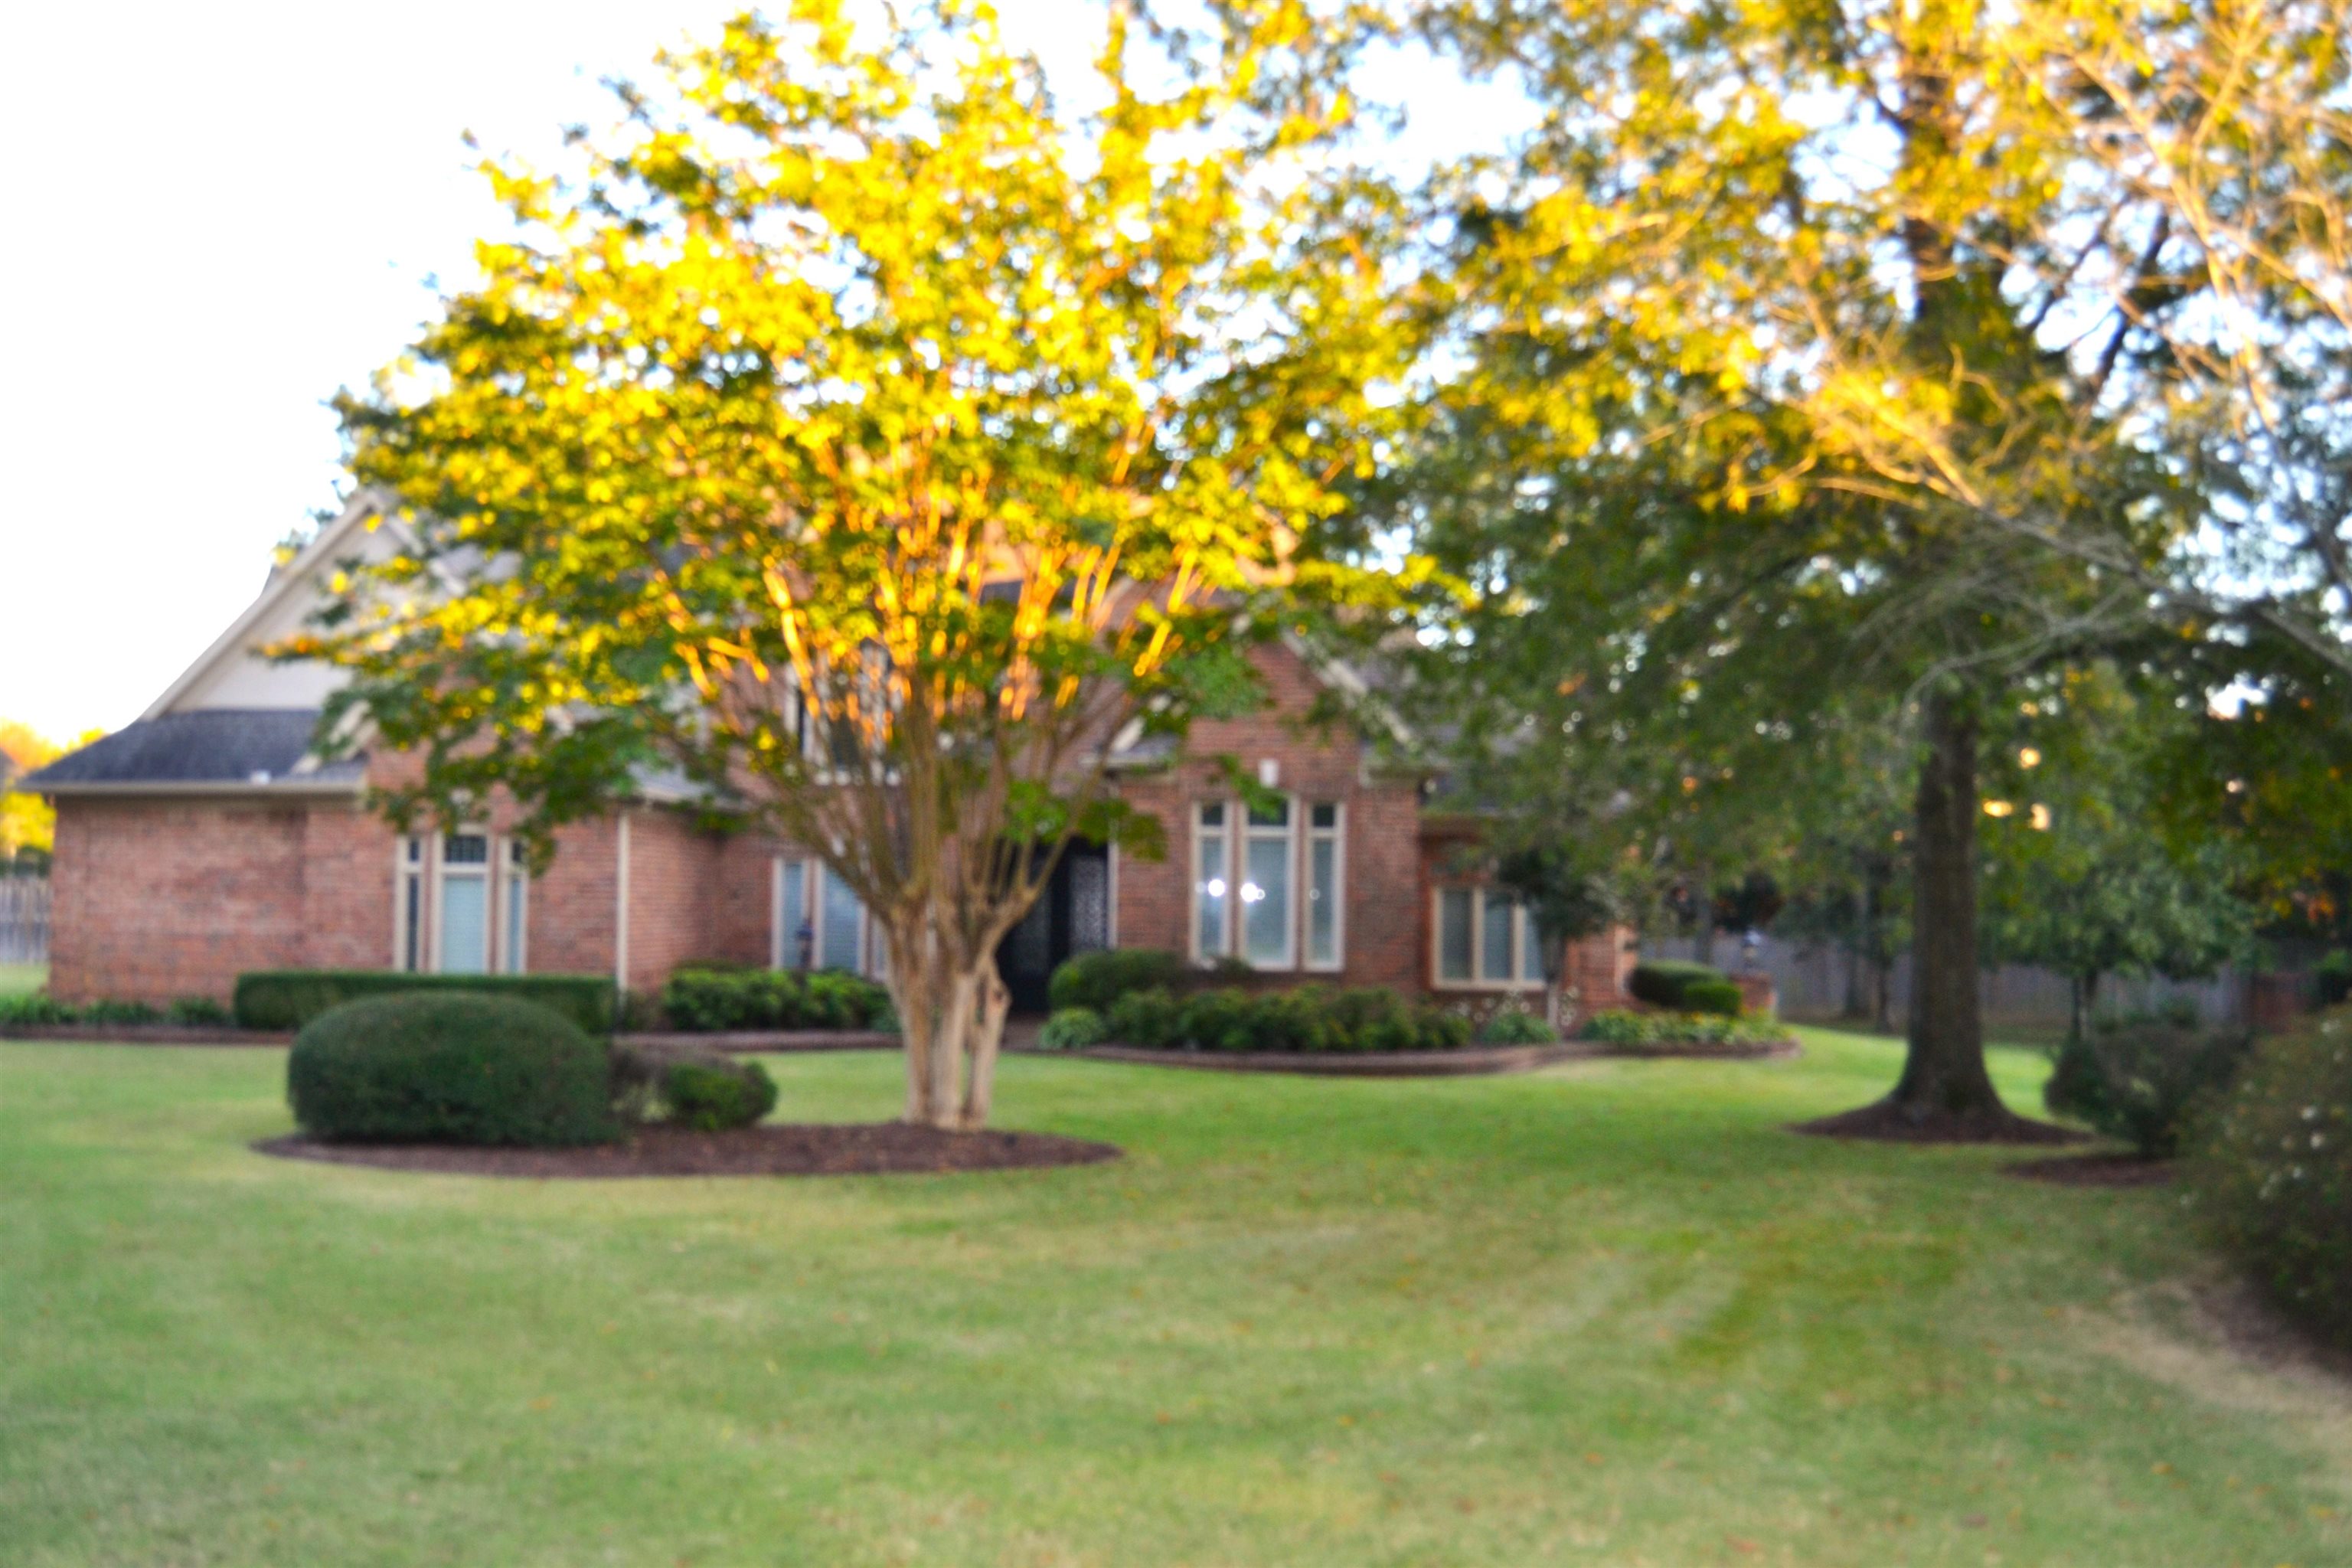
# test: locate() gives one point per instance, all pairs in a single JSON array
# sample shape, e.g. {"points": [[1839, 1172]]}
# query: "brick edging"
{"points": [[1470, 1061], [145, 1034]]}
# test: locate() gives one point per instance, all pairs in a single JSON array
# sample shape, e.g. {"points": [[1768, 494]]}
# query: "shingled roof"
{"points": [[245, 747]]}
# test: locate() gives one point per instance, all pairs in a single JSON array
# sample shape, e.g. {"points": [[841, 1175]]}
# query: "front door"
{"points": [[1072, 915]]}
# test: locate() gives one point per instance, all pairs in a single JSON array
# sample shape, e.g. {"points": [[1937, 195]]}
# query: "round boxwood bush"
{"points": [[1666, 983], [1072, 1029], [2273, 1174], [449, 1066], [1514, 1026], [717, 1096]]}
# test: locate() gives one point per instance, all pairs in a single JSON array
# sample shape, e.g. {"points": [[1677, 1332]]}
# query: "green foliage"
{"points": [[450, 1067], [717, 1096], [1638, 1031], [1307, 1019], [1099, 980], [1719, 996], [1515, 1026], [121, 1013], [1151, 1018], [704, 999], [32, 1008], [1662, 982], [291, 998], [2333, 976], [2143, 1079], [1072, 1029], [2272, 1175], [199, 1012]]}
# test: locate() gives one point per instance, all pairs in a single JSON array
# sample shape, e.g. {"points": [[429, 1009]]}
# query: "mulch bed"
{"points": [[856, 1148], [2093, 1171], [1887, 1122]]}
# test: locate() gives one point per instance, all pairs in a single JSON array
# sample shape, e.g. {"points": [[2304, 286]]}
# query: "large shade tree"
{"points": [[1933, 348], [877, 441]]}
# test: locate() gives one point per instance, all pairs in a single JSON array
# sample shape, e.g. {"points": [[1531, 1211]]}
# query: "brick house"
{"points": [[208, 838]]}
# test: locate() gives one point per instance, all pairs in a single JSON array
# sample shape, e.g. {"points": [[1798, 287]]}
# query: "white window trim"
{"points": [[1523, 932], [511, 906], [437, 863], [1309, 838], [404, 872], [1298, 835]]}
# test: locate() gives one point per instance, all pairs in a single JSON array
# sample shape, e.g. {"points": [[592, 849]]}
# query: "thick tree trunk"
{"points": [[987, 1034], [953, 1024], [1944, 1073]]}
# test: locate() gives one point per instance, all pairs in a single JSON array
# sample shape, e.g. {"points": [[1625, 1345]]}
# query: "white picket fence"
{"points": [[24, 920], [1812, 981]]}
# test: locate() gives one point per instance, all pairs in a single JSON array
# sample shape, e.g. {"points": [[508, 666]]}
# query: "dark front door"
{"points": [[1072, 915]]}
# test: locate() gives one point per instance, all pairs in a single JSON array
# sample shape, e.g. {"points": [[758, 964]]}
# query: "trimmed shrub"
{"points": [[121, 1013], [291, 998], [1148, 1018], [1098, 979], [1515, 1026], [1662, 982], [699, 999], [1638, 1031], [717, 1095], [1072, 1029], [199, 1012], [36, 1009], [2143, 1079], [449, 1066], [1720, 997], [2272, 1170]]}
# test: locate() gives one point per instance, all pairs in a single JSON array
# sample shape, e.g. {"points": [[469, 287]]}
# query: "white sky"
{"points": [[220, 215]]}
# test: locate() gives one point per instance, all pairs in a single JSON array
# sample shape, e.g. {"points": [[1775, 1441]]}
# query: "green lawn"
{"points": [[1609, 1314], [22, 979]]}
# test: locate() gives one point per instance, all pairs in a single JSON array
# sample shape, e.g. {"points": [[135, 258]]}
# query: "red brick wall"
{"points": [[157, 900], [673, 884], [572, 903], [742, 899]]}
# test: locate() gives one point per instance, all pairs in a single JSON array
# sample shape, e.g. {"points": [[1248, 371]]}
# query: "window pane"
{"points": [[1213, 815], [1453, 938], [412, 915], [513, 894], [465, 849], [1324, 816], [464, 925], [1531, 954], [1277, 817], [1494, 940], [840, 913], [1209, 891], [793, 921], [1323, 902], [1266, 901]]}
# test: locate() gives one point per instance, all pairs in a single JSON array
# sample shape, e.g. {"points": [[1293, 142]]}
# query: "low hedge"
{"points": [[1307, 1019], [1683, 987], [291, 998], [450, 1067], [1638, 1031], [1514, 1026], [36, 1009], [2270, 1175], [701, 999], [1098, 979]]}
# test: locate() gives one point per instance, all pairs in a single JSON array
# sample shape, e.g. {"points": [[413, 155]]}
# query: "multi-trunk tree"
{"points": [[879, 444]]}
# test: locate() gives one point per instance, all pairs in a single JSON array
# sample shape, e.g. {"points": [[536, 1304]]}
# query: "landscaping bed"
{"points": [[853, 1149]]}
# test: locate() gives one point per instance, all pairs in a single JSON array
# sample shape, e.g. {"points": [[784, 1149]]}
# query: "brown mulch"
{"points": [[1887, 1122], [2093, 1171], [853, 1149]]}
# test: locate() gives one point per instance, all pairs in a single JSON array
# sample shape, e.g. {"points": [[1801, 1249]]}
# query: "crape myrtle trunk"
{"points": [[1944, 1072]]}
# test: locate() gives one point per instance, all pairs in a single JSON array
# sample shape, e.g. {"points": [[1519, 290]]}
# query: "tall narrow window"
{"points": [[514, 898], [796, 939], [409, 904], [1212, 865], [1497, 931], [1531, 954], [1323, 891], [1457, 920], [1266, 924], [465, 912], [841, 922]]}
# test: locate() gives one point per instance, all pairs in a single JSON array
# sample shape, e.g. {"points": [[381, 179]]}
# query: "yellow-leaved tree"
{"points": [[877, 442]]}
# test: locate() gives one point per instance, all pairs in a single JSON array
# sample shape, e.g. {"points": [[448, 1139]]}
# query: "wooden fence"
{"points": [[24, 920]]}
